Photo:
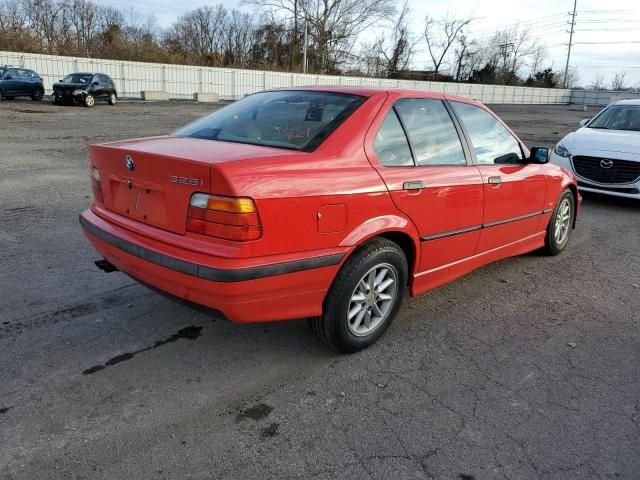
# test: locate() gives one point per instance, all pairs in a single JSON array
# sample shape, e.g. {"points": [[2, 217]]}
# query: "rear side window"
{"points": [[433, 135], [296, 120], [391, 145], [492, 143]]}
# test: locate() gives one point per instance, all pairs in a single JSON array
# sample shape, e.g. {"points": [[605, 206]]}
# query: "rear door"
{"points": [[97, 87], [416, 147], [514, 191]]}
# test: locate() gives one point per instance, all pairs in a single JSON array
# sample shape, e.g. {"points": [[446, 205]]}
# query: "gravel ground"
{"points": [[525, 369]]}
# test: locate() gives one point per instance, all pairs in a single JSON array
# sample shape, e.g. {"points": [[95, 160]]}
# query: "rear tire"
{"points": [[364, 298], [561, 224], [113, 98], [37, 94]]}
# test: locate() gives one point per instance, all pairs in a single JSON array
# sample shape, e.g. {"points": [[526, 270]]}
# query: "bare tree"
{"points": [[398, 54], [333, 25], [468, 56], [440, 35], [598, 83], [537, 58], [619, 81], [572, 78]]}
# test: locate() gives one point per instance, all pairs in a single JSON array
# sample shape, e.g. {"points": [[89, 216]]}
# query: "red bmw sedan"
{"points": [[326, 203]]}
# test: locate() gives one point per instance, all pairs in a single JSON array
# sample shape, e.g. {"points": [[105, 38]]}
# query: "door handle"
{"points": [[413, 185], [495, 180]]}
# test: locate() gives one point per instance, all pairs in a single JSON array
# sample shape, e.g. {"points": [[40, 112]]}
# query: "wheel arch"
{"points": [[576, 200], [394, 228]]}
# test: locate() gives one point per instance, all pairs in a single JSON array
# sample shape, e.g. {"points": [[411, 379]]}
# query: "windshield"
{"points": [[2, 72], [618, 117], [77, 78], [297, 120]]}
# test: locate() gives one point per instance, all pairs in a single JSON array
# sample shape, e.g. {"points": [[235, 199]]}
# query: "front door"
{"points": [[11, 82], [416, 148], [514, 191]]}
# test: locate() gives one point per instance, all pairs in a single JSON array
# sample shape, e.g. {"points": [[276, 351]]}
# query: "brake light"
{"points": [[95, 184], [231, 218]]}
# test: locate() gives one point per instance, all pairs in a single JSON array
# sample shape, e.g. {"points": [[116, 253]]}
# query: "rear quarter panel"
{"points": [[292, 193]]}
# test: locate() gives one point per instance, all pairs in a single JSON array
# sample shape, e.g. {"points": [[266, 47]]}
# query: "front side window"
{"points": [[391, 144], [618, 117], [296, 120], [492, 143], [431, 131]]}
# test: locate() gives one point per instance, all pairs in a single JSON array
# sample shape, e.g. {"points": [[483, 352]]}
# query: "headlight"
{"points": [[561, 150], [78, 92]]}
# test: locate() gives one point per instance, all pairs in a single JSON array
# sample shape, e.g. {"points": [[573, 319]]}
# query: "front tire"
{"points": [[561, 224], [89, 100], [364, 298]]}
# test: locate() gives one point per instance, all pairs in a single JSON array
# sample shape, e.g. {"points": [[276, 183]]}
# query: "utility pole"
{"points": [[294, 42], [572, 22], [504, 51], [304, 50]]}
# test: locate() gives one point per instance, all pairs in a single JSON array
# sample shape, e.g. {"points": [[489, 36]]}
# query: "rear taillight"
{"points": [[231, 218], [95, 184]]}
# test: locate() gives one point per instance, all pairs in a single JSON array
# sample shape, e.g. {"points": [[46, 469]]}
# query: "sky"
{"points": [[614, 25]]}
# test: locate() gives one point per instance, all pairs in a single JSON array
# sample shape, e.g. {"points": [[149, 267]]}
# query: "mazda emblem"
{"points": [[128, 161], [606, 163]]}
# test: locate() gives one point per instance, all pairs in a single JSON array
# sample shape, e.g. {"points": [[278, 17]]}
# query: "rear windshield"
{"points": [[618, 117], [77, 78], [296, 120]]}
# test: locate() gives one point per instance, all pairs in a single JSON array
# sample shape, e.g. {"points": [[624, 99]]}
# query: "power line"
{"points": [[622, 42]]}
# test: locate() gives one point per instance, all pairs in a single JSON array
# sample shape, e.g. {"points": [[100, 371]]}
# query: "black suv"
{"points": [[85, 89], [20, 82]]}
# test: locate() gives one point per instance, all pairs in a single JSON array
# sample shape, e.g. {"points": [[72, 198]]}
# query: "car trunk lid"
{"points": [[152, 180]]}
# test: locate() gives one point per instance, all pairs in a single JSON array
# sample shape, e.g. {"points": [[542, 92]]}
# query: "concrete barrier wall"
{"points": [[183, 81], [600, 97]]}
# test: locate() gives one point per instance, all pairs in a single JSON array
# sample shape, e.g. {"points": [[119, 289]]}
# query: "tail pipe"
{"points": [[106, 266]]}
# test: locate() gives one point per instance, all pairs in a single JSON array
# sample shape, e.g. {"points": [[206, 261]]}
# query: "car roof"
{"points": [[629, 101], [370, 91]]}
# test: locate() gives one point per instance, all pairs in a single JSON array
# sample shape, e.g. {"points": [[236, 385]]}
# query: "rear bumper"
{"points": [[265, 290]]}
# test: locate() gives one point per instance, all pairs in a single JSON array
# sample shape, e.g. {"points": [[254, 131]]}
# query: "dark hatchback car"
{"points": [[20, 82], [84, 89]]}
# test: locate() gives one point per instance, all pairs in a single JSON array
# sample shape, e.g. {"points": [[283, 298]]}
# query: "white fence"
{"points": [[600, 97], [182, 81]]}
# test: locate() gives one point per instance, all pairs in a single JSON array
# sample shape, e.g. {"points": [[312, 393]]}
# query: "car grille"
{"points": [[621, 171]]}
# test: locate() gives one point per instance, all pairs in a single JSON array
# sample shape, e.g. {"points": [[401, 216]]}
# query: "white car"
{"points": [[604, 153]]}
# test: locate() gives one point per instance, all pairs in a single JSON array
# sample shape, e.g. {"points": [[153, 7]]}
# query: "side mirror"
{"points": [[95, 84], [584, 121], [540, 155], [8, 77]]}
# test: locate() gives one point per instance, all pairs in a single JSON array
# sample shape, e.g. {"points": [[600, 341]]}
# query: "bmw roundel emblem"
{"points": [[128, 161]]}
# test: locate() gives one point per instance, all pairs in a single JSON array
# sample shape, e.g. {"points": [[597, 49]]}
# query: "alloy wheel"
{"points": [[372, 299], [563, 222]]}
